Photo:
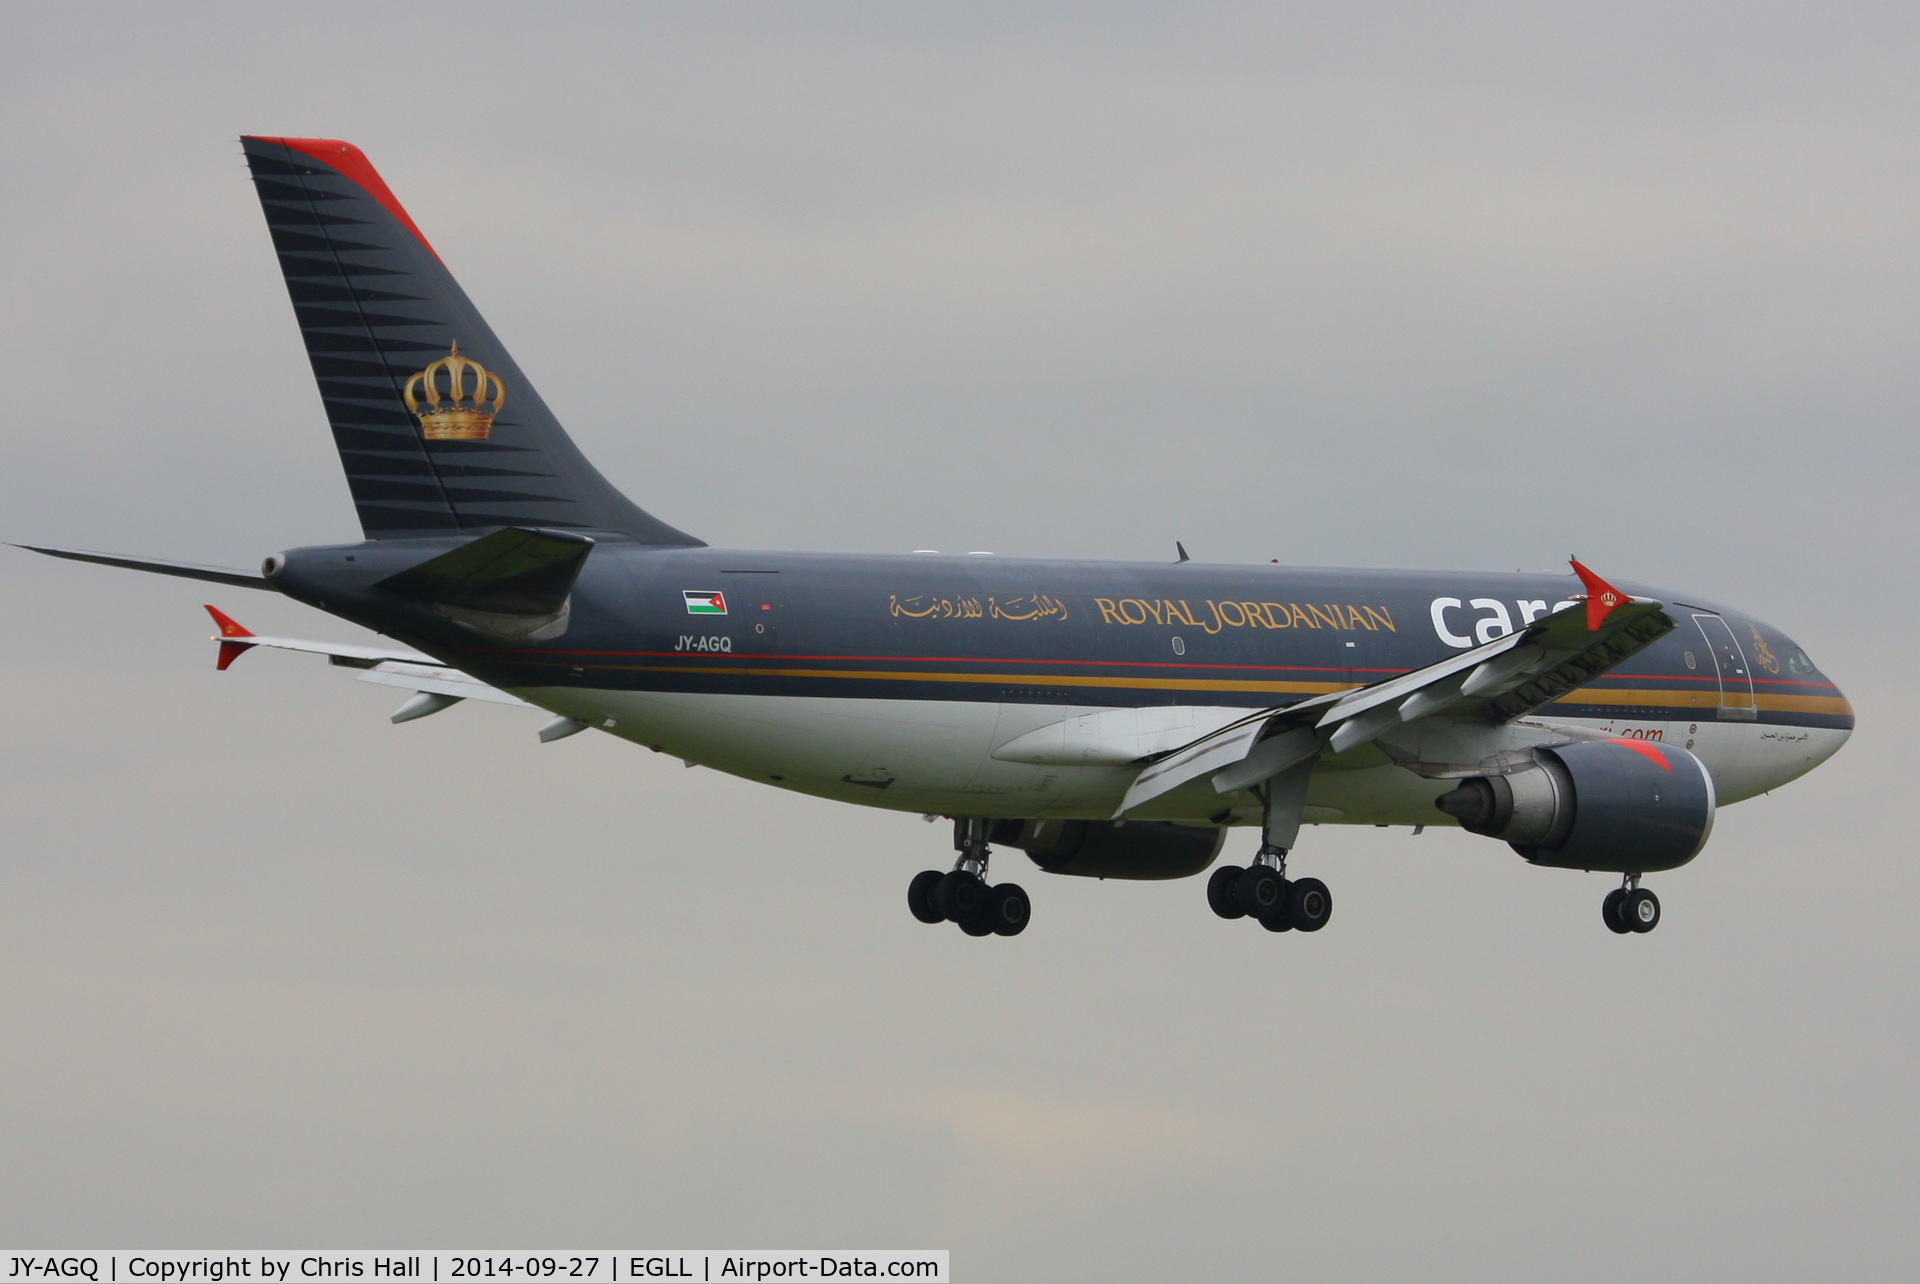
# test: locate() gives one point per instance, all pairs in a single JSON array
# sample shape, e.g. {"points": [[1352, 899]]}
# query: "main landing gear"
{"points": [[962, 894], [1631, 907], [1262, 890]]}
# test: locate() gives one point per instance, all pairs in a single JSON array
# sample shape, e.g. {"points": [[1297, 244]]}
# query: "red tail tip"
{"points": [[343, 157], [1602, 597]]}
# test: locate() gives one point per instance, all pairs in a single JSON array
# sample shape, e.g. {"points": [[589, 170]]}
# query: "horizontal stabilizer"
{"points": [[510, 572], [186, 570]]}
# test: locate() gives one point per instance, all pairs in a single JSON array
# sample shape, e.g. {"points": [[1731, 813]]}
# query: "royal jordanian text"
{"points": [[599, 1266], [1214, 616]]}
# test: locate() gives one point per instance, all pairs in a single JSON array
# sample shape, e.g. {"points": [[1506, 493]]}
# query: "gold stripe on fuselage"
{"points": [[1634, 698], [1007, 679], [1764, 701]]}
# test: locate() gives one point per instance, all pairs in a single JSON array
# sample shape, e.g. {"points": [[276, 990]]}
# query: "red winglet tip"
{"points": [[349, 160], [229, 627], [230, 651], [1602, 597]]}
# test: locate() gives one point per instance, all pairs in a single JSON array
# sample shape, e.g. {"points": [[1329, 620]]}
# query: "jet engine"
{"points": [[1624, 805], [1102, 849]]}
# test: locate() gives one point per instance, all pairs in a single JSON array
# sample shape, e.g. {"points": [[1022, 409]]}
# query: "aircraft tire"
{"points": [[1641, 910], [1008, 909], [960, 896], [976, 926], [1278, 921], [1220, 895], [1260, 891], [1610, 911], [1309, 904], [920, 896]]}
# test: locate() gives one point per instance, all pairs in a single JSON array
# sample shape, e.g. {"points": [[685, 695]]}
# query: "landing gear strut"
{"points": [[962, 894], [1631, 907], [1262, 890]]}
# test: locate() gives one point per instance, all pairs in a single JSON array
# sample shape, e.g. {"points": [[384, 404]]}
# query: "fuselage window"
{"points": [[1797, 662], [1691, 662]]}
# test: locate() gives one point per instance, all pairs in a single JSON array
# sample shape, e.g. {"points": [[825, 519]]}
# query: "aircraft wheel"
{"points": [[1260, 891], [1008, 909], [1220, 891], [1641, 910], [1610, 911], [920, 894], [977, 926], [1278, 921], [961, 895], [1309, 904]]}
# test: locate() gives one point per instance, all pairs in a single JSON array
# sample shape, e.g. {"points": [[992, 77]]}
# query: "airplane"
{"points": [[1108, 719]]}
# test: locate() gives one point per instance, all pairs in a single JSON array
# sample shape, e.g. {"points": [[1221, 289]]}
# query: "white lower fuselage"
{"points": [[939, 757]]}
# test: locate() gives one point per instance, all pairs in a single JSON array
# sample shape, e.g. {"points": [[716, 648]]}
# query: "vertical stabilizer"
{"points": [[438, 430]]}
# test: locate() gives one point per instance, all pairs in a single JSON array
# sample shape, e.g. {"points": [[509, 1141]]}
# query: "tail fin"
{"points": [[438, 430]]}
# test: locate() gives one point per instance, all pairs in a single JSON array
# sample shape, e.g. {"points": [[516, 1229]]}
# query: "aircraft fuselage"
{"points": [[1013, 687]]}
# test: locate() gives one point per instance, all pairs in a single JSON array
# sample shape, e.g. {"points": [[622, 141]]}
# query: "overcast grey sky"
{"points": [[1476, 285]]}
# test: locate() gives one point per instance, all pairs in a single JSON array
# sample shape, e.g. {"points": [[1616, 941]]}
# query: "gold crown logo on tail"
{"points": [[458, 415]]}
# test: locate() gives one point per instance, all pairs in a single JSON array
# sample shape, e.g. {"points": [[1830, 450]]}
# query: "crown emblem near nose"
{"points": [[447, 410]]}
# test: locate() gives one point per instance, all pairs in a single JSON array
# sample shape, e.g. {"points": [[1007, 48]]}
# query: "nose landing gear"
{"points": [[962, 894], [1631, 907]]}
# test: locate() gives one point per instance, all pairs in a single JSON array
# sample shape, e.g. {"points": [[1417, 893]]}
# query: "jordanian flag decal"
{"points": [[699, 603]]}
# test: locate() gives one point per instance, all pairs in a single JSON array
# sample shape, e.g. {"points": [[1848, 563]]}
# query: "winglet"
{"points": [[231, 631], [1602, 597]]}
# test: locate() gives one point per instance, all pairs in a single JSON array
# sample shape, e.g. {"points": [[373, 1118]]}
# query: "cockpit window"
{"points": [[1797, 662]]}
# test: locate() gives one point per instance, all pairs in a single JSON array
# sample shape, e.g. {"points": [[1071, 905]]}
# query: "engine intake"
{"points": [[1624, 805], [1139, 849]]}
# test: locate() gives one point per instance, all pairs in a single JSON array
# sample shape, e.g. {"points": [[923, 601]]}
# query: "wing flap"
{"points": [[1116, 737], [1210, 753], [440, 681]]}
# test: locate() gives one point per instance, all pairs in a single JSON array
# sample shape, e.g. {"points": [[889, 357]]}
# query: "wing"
{"points": [[1490, 684], [1503, 680], [436, 686]]}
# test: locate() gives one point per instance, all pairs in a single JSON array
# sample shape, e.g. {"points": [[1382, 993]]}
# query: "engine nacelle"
{"points": [[1628, 806], [1102, 849]]}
